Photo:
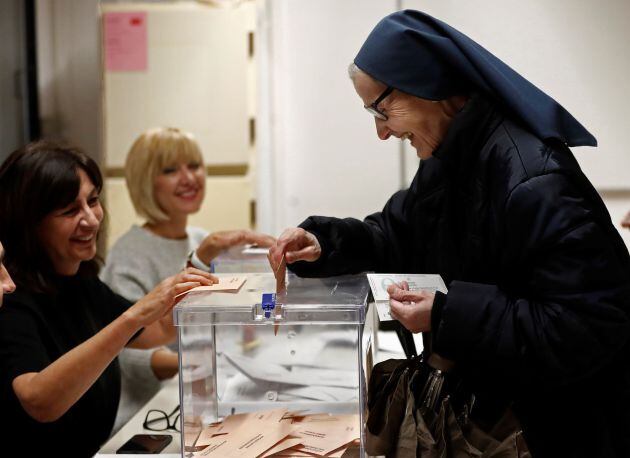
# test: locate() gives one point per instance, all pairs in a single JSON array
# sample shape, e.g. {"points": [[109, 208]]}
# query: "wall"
{"points": [[12, 60], [68, 59], [71, 100], [318, 154], [571, 49], [324, 156]]}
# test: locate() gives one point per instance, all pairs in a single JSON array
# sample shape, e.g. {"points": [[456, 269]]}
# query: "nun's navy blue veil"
{"points": [[422, 56]]}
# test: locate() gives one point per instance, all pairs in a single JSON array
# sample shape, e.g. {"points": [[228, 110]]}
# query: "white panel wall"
{"points": [[575, 50], [197, 79], [322, 155]]}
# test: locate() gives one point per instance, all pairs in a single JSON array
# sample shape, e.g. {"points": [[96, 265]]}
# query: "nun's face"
{"points": [[423, 122]]}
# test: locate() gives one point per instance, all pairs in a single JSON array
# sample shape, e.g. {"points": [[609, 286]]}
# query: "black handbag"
{"points": [[417, 410]]}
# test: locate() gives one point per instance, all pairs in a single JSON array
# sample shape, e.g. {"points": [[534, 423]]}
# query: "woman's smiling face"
{"points": [[68, 235], [423, 122], [179, 188]]}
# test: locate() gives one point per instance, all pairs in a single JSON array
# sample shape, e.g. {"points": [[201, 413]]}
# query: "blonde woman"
{"points": [[166, 179]]}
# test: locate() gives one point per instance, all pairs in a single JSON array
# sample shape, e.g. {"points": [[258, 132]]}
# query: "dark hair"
{"points": [[35, 180]]}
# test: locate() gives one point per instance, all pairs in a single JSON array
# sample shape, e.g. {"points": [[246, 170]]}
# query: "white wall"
{"points": [[323, 154], [574, 50]]}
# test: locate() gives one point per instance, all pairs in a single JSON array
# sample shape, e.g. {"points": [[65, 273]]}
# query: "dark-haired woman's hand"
{"points": [[162, 298], [626, 221], [219, 241]]}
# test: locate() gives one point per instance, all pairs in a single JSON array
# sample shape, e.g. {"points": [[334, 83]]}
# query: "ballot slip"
{"points": [[277, 432], [228, 284], [380, 282]]}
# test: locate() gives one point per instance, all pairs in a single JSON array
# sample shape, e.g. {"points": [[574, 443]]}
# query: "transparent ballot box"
{"points": [[242, 259], [298, 373]]}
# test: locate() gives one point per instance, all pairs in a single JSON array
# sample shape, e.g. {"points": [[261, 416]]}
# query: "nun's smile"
{"points": [[423, 122]]}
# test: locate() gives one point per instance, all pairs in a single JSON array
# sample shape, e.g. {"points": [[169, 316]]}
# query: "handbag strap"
{"points": [[406, 341]]}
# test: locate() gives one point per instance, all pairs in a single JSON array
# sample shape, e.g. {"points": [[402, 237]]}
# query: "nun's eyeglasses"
{"points": [[373, 108]]}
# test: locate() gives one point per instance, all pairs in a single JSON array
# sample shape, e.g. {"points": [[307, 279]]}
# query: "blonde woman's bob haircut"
{"points": [[152, 152]]}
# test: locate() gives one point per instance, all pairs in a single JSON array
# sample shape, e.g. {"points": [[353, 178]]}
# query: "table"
{"points": [[166, 399]]}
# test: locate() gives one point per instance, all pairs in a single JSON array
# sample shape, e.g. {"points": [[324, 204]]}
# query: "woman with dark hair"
{"points": [[61, 331], [537, 314]]}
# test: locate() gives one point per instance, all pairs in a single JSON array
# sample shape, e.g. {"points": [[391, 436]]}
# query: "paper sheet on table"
{"points": [[225, 427], [324, 437], [380, 282], [225, 285], [284, 444], [256, 434], [270, 372]]}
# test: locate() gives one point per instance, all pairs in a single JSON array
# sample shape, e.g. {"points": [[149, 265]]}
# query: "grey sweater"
{"points": [[137, 262]]}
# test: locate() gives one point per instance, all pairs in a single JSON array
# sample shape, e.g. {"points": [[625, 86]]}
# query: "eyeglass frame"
{"points": [[373, 107], [170, 426]]}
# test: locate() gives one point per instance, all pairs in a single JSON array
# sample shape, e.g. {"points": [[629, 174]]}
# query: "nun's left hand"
{"points": [[626, 221], [411, 308]]}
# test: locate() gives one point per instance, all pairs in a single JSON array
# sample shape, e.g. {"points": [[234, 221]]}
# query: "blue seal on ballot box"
{"points": [[268, 303]]}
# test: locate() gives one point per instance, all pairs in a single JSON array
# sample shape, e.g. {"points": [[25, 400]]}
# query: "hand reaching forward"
{"points": [[411, 308], [161, 299], [294, 244], [219, 241]]}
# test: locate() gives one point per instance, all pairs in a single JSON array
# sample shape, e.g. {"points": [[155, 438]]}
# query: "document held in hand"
{"points": [[380, 282], [229, 284]]}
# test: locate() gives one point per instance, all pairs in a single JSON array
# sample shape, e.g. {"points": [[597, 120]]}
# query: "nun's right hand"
{"points": [[294, 244]]}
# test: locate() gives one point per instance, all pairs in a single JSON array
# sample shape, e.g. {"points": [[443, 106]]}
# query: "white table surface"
{"points": [[166, 399]]}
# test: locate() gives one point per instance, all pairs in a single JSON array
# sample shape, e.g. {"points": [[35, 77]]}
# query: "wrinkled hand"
{"points": [[156, 305], [219, 241], [626, 221], [411, 308], [294, 244]]}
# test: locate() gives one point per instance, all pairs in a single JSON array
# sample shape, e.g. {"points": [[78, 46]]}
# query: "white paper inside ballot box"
{"points": [[264, 370]]}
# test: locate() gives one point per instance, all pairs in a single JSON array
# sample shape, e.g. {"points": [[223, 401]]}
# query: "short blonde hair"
{"points": [[153, 151]]}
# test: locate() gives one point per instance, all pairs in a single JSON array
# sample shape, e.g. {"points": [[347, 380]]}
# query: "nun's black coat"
{"points": [[538, 308]]}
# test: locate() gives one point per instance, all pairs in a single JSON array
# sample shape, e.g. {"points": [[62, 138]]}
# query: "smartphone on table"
{"points": [[145, 443]]}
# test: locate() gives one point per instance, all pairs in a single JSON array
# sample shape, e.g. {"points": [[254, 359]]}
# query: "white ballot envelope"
{"points": [[380, 282], [308, 376]]}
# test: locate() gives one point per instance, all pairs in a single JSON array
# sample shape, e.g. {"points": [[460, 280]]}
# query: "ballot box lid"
{"points": [[341, 299]]}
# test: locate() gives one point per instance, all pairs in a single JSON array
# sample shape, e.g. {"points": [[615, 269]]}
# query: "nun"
{"points": [[537, 314]]}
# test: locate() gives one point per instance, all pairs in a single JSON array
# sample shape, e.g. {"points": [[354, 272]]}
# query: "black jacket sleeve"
{"points": [[568, 312], [352, 246]]}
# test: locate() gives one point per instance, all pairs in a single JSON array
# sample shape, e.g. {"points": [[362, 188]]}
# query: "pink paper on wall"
{"points": [[125, 41]]}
